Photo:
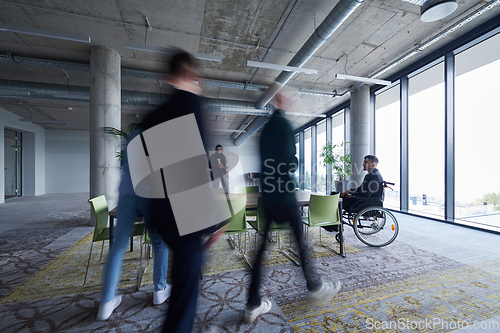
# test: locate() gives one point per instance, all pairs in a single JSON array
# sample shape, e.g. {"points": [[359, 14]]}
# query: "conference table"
{"points": [[251, 204]]}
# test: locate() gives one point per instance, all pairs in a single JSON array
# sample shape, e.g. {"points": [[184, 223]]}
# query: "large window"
{"points": [[297, 155], [477, 119], [387, 142], [472, 154], [338, 128], [307, 159], [321, 169], [426, 106]]}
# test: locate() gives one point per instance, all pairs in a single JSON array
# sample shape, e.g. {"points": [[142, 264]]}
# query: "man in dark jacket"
{"points": [[188, 248], [371, 187], [218, 164], [277, 151]]}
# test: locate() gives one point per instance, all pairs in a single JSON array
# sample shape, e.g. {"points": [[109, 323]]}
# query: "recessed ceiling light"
{"points": [[169, 50], [249, 111], [14, 92], [319, 115], [47, 121], [281, 68], [227, 130], [44, 33], [362, 79], [72, 96]]}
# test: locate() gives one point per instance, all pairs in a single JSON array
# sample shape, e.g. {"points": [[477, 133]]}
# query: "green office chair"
{"points": [[248, 189], [324, 211], [259, 225], [101, 229], [238, 226]]}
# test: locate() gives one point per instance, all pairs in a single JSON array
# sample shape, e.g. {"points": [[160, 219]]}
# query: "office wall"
{"points": [[33, 154], [67, 161]]}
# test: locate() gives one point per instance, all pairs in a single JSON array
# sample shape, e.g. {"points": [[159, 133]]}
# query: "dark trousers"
{"points": [[348, 203], [282, 214], [186, 269]]}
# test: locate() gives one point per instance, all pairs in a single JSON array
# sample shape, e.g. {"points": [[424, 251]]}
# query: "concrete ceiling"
{"points": [[377, 33]]}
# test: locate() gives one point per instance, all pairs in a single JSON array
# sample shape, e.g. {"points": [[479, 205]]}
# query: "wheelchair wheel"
{"points": [[376, 226], [337, 237]]}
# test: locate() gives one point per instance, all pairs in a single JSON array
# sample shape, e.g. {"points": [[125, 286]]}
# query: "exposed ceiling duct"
{"points": [[48, 92], [330, 24], [63, 65]]}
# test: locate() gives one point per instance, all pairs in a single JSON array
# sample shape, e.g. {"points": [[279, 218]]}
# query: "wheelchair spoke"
{"points": [[375, 226]]}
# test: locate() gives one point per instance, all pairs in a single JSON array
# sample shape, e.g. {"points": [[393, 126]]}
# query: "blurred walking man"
{"points": [[277, 151]]}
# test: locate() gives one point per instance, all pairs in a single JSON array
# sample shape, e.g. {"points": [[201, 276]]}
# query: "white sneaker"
{"points": [[328, 290], [252, 314], [161, 296], [106, 309]]}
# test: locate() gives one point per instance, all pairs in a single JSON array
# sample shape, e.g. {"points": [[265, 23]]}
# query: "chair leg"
{"points": [[307, 244], [282, 251], [342, 245], [102, 249], [341, 250], [244, 252], [88, 263], [139, 277]]}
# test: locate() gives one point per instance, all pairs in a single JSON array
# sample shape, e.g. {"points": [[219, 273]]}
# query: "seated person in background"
{"points": [[370, 187]]}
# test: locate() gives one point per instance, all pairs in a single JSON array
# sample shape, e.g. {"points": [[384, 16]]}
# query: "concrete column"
{"points": [[360, 132], [105, 110]]}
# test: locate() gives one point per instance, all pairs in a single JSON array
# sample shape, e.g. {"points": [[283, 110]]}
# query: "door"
{"points": [[12, 164]]}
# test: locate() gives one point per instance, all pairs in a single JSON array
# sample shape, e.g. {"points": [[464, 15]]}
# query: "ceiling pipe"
{"points": [[46, 91], [63, 65], [330, 24]]}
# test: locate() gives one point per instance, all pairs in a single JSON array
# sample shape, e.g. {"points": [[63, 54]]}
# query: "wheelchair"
{"points": [[372, 223]]}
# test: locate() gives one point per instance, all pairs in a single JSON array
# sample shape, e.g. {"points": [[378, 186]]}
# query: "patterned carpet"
{"points": [[399, 285], [64, 275]]}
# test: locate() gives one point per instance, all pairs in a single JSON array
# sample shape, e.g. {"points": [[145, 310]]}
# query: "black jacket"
{"points": [[181, 103], [371, 185], [277, 152]]}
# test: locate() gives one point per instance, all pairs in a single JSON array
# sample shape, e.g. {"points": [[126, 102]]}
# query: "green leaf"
{"points": [[338, 158]]}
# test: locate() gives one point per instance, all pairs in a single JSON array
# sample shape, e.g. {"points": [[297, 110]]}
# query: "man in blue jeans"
{"points": [[129, 207]]}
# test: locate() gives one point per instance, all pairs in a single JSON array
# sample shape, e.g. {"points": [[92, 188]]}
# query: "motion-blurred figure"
{"points": [[188, 249], [277, 151], [130, 206]]}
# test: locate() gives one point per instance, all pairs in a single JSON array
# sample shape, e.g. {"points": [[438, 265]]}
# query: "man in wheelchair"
{"points": [[369, 193]]}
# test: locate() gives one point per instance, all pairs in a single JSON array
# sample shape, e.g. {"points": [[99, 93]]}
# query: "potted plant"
{"points": [[122, 134], [338, 158]]}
